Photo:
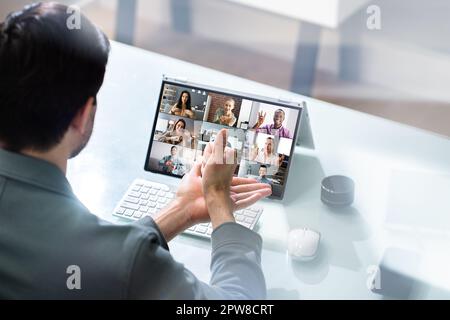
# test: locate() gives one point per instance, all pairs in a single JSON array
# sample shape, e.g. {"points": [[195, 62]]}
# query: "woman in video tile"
{"points": [[266, 155], [177, 134], [183, 107], [225, 116]]}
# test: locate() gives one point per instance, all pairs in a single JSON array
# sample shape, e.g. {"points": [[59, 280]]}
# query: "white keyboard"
{"points": [[147, 198]]}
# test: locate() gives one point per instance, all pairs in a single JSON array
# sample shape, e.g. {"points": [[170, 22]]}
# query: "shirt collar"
{"points": [[34, 171], [272, 126]]}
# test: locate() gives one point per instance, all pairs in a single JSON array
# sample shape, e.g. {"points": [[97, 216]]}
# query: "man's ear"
{"points": [[81, 121]]}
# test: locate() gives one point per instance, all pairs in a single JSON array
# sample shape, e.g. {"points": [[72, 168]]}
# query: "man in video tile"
{"points": [[263, 175], [172, 164], [276, 128]]}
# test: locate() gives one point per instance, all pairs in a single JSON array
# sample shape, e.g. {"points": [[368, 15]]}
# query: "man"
{"points": [[263, 175], [275, 129], [49, 78], [172, 164]]}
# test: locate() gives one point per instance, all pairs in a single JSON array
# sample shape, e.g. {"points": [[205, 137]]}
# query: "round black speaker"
{"points": [[338, 191]]}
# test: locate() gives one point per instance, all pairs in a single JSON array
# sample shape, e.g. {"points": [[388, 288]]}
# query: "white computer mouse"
{"points": [[303, 244]]}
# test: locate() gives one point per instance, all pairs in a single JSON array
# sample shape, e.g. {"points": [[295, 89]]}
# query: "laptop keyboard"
{"points": [[147, 198]]}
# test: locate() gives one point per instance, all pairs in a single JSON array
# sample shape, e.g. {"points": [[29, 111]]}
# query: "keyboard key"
{"points": [[132, 206], [249, 220], [145, 190], [152, 204], [201, 229], [145, 196], [143, 209], [129, 213], [162, 200], [138, 215], [165, 188], [154, 192], [136, 188], [250, 214], [152, 211], [156, 187], [248, 225], [121, 211], [154, 198], [254, 209], [209, 232], [143, 203], [240, 218], [132, 200], [162, 193], [134, 194], [192, 228]]}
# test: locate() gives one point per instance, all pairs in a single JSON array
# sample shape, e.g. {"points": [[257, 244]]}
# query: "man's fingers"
{"points": [[219, 146], [208, 150], [252, 199], [244, 195], [249, 187], [207, 153], [239, 181], [230, 156], [197, 170], [248, 202]]}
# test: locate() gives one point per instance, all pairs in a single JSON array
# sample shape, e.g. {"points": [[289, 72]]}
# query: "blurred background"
{"points": [[389, 58]]}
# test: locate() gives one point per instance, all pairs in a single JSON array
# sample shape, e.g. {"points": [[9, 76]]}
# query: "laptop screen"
{"points": [[188, 118]]}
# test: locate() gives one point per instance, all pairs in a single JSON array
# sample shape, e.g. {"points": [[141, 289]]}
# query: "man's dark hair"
{"points": [[263, 166], [171, 149], [47, 74]]}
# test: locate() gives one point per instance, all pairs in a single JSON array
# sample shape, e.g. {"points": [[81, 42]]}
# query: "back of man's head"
{"points": [[48, 71]]}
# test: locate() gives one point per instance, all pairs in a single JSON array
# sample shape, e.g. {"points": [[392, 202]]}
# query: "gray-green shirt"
{"points": [[44, 230]]}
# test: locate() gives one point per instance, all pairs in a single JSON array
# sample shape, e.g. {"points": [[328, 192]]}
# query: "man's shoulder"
{"points": [[61, 232]]}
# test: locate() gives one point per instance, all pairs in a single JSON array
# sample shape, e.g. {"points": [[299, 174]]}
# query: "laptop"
{"points": [[262, 130]]}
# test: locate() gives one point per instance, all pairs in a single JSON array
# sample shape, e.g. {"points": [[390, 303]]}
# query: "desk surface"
{"points": [[402, 177]]}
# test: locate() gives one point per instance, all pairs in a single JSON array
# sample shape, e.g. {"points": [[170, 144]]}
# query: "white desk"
{"points": [[373, 151]]}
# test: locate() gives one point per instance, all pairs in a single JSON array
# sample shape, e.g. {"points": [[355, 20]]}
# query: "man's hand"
{"points": [[223, 193], [261, 119], [192, 206], [191, 196]]}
